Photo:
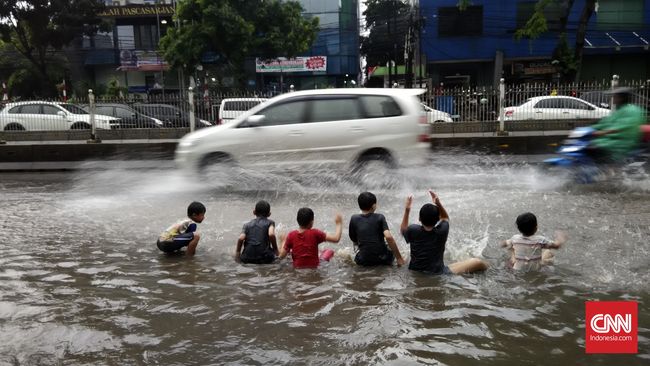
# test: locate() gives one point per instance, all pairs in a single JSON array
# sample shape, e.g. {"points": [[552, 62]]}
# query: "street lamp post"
{"points": [[162, 74]]}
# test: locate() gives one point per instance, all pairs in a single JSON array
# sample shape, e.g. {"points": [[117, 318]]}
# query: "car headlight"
{"points": [[157, 121], [186, 143], [204, 122]]}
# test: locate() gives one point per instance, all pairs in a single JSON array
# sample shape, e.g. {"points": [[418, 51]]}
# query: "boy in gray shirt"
{"points": [[258, 238]]}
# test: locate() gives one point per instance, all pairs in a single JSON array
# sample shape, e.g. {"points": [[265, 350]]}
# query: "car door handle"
{"points": [[566, 112], [357, 129], [539, 112], [296, 133]]}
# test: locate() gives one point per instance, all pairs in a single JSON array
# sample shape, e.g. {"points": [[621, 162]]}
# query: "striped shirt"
{"points": [[527, 251]]}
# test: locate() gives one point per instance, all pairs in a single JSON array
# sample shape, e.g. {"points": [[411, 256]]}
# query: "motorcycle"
{"points": [[583, 169]]}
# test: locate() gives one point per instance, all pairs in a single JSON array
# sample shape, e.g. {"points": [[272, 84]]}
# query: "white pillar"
{"points": [[502, 96], [190, 95]]}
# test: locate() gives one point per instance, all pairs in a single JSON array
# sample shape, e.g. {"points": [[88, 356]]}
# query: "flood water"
{"points": [[82, 282]]}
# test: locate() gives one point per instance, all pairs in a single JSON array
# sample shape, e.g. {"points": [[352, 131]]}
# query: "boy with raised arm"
{"points": [[303, 243], [428, 240], [369, 232]]}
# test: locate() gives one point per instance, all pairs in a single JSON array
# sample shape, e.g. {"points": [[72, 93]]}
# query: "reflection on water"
{"points": [[82, 282]]}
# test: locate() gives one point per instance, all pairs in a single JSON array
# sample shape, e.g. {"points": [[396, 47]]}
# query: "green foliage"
{"points": [[114, 90], [536, 25], [235, 29], [568, 64], [36, 28], [388, 22]]}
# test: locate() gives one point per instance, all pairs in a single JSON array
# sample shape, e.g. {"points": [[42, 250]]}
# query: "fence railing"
{"points": [[507, 108]]}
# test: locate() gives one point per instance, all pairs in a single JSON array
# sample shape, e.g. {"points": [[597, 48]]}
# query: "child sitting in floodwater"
{"points": [[529, 252], [303, 243], [258, 237], [428, 240], [183, 233]]}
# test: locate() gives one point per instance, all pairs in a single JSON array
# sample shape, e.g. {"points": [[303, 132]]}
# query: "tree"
{"points": [[537, 25], [235, 29], [39, 29], [388, 22]]}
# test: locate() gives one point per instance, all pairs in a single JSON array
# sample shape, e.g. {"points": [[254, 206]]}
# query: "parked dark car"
{"points": [[170, 115], [129, 117]]}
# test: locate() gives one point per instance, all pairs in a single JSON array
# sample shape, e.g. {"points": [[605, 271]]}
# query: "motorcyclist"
{"points": [[618, 134]]}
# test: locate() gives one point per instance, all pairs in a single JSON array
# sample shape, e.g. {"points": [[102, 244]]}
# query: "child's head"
{"points": [[196, 211], [367, 201], [262, 208], [429, 214], [305, 217], [527, 223]]}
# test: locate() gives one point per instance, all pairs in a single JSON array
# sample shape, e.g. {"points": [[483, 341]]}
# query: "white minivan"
{"points": [[316, 128], [231, 108]]}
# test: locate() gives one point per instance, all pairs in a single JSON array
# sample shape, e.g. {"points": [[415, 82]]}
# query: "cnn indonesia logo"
{"points": [[611, 327]]}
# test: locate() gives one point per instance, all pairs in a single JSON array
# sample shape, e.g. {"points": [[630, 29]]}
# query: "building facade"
{"points": [[477, 46], [128, 55]]}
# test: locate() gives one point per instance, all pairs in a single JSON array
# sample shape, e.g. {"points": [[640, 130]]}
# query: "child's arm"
{"points": [[283, 246], [352, 233], [560, 239], [339, 229], [273, 240], [436, 200], [393, 247], [405, 218], [240, 243]]}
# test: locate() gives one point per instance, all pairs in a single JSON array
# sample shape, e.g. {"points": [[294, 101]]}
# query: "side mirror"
{"points": [[255, 120], [604, 105]]}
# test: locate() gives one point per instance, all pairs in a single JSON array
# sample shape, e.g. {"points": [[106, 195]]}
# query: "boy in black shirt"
{"points": [[258, 237], [369, 231], [428, 240]]}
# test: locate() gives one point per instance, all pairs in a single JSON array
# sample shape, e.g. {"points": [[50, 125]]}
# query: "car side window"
{"points": [[107, 111], [378, 106], [15, 110], [575, 104], [286, 113], [549, 103], [31, 109], [123, 113], [334, 109], [48, 109]]}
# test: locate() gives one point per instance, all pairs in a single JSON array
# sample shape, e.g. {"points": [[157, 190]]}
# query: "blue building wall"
{"points": [[499, 25]]}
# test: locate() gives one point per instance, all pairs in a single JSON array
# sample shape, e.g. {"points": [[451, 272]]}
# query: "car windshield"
{"points": [[73, 109]]}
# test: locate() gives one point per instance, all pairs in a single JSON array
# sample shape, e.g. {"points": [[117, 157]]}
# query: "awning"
{"points": [[401, 70], [618, 40]]}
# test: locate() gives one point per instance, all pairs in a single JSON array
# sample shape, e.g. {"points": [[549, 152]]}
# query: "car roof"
{"points": [[554, 97], [112, 105], [243, 99], [15, 104]]}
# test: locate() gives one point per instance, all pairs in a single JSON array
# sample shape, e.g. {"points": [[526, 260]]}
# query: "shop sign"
{"points": [[298, 64], [137, 11]]}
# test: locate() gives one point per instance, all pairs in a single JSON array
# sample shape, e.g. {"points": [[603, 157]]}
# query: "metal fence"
{"points": [[534, 101], [514, 104]]}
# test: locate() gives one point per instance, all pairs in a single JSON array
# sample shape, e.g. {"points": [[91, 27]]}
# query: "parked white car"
{"points": [[436, 116], [316, 128], [231, 108], [554, 107], [48, 116]]}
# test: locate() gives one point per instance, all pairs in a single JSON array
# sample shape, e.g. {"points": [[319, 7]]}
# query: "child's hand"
{"points": [[560, 237], [409, 202], [434, 196], [400, 262], [282, 235], [338, 219]]}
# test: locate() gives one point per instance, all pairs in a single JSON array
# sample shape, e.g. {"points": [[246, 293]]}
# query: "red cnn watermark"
{"points": [[611, 326]]}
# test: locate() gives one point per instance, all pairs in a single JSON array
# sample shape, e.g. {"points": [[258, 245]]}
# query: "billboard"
{"points": [[298, 64]]}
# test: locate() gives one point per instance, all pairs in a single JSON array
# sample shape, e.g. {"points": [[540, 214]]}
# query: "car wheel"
{"points": [[376, 171], [80, 126], [14, 127]]}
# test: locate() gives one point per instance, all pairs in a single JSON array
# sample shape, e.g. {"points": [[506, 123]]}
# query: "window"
{"points": [[50, 109], [31, 109], [123, 113], [106, 111], [575, 104], [286, 113], [552, 12], [335, 109], [73, 109], [453, 22], [146, 37], [243, 105], [377, 106], [620, 15], [15, 110], [549, 103]]}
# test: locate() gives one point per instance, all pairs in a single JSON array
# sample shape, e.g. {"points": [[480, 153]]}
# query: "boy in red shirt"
{"points": [[303, 243]]}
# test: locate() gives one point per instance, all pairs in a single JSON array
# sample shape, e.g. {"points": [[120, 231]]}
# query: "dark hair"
{"points": [[429, 214], [195, 208], [305, 216], [527, 223], [262, 208], [366, 200]]}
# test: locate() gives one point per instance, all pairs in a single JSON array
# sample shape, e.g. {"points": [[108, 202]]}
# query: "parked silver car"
{"points": [[48, 116]]}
